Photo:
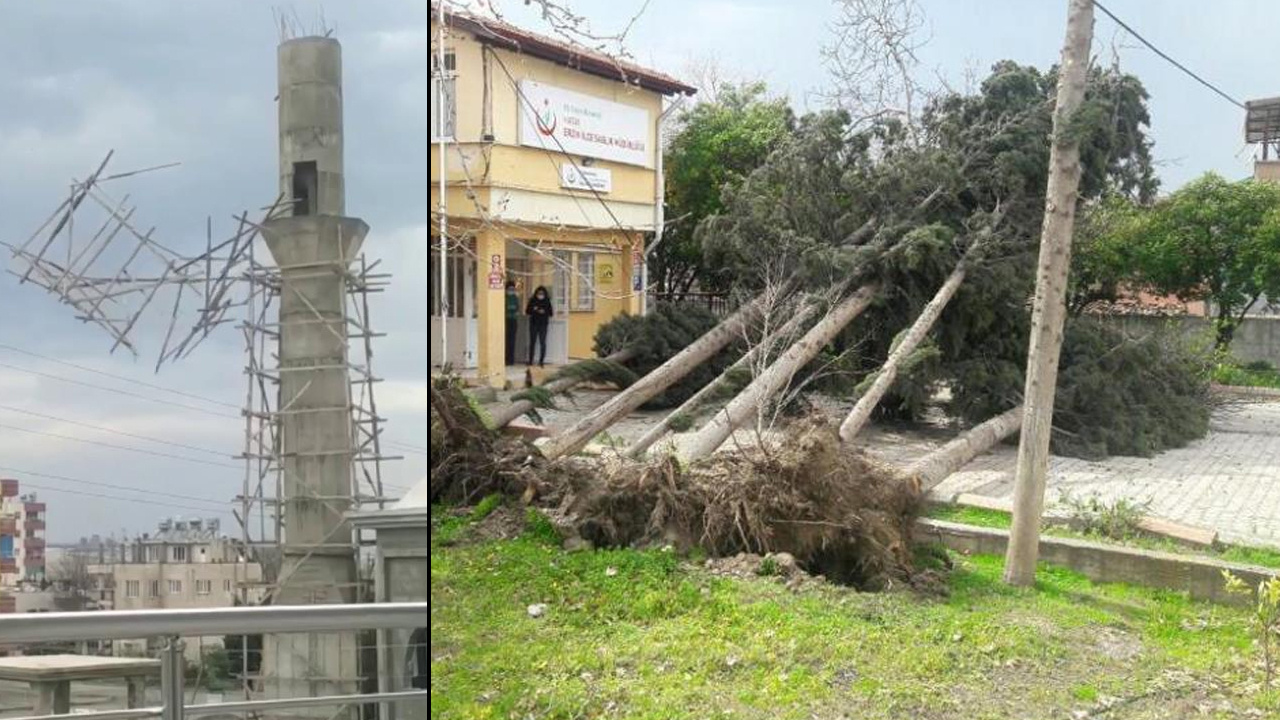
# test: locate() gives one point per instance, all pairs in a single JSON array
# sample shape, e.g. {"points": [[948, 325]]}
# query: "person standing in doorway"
{"points": [[513, 321], [539, 311]]}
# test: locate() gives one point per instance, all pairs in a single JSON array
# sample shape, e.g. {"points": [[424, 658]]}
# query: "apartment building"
{"points": [[185, 564], [22, 542]]}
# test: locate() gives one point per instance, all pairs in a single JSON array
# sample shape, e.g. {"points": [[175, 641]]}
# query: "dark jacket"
{"points": [[539, 310]]}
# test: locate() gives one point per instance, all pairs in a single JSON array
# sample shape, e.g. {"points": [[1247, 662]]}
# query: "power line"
{"points": [[122, 433], [122, 378], [403, 446], [85, 493], [1162, 54], [64, 478], [114, 446], [118, 391]]}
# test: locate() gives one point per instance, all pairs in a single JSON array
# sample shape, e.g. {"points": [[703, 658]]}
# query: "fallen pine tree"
{"points": [[839, 513]]}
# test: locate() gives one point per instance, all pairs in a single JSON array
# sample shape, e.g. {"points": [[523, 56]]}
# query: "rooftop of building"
{"points": [[594, 62], [180, 530]]}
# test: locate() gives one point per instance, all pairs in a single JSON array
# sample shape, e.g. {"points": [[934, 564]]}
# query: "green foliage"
{"points": [[540, 397], [485, 507], [1118, 520], [656, 338], [1119, 395], [1211, 240], [679, 422], [716, 143], [539, 529], [1266, 616], [598, 370], [1254, 374], [831, 204]]}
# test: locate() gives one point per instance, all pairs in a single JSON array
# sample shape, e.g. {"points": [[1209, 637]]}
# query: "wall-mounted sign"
{"points": [[637, 270], [565, 121], [579, 177], [496, 279], [604, 274]]}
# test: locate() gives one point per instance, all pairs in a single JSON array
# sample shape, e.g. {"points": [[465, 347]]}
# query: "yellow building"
{"points": [[551, 162]]}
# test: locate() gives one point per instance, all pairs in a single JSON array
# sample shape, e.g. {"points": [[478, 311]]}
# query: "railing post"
{"points": [[172, 677]]}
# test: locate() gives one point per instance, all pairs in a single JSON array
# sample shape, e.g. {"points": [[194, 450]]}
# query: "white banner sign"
{"points": [[565, 121], [579, 177]]}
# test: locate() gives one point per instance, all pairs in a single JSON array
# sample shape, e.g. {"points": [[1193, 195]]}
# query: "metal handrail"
{"points": [[239, 707], [124, 624]]}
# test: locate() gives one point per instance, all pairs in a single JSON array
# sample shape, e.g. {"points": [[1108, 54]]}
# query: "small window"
{"points": [[131, 588], [226, 586], [155, 588], [179, 553], [175, 587], [305, 187], [204, 587], [585, 283]]}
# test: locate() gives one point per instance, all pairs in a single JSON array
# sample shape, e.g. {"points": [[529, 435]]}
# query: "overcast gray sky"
{"points": [[193, 81], [779, 41], [190, 82]]}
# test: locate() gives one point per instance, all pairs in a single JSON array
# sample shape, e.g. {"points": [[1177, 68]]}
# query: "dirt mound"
{"points": [[838, 512], [469, 460]]}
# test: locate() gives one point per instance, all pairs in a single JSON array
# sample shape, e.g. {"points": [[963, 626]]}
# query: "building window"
{"points": [[155, 588], [584, 299], [175, 587], [458, 267], [131, 588], [226, 586], [204, 587], [444, 99], [178, 553]]}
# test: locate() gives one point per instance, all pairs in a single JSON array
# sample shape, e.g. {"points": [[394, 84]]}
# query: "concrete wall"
{"points": [[1199, 577], [1257, 338], [404, 554]]}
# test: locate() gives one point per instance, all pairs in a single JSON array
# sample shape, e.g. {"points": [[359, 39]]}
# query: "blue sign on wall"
{"points": [[6, 546]]}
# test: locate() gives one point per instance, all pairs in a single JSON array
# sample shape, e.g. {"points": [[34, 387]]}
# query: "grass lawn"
{"points": [[647, 634], [1248, 555], [1255, 374]]}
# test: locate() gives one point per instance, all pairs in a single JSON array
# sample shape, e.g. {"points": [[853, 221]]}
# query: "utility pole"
{"points": [[443, 202], [1049, 312]]}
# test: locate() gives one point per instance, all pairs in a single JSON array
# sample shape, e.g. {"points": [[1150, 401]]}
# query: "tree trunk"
{"points": [[1049, 311], [690, 406], [861, 412], [941, 463], [662, 377], [505, 414], [748, 402]]}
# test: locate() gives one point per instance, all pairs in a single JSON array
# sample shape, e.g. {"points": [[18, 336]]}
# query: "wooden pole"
{"points": [[1048, 314]]}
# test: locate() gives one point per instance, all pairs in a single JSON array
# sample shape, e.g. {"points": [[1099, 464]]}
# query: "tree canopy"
{"points": [[832, 203], [1212, 240], [716, 144]]}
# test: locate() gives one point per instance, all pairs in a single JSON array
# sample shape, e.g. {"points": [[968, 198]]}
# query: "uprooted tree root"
{"points": [[838, 512]]}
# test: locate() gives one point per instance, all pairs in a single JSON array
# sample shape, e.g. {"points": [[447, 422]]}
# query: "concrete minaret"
{"points": [[313, 248]]}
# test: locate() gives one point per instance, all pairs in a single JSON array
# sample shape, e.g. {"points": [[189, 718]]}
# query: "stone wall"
{"points": [[1257, 338]]}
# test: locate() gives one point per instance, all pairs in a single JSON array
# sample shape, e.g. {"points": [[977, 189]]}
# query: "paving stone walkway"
{"points": [[1229, 480]]}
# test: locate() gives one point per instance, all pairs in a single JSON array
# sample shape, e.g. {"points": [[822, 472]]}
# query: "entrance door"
{"points": [[558, 332]]}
